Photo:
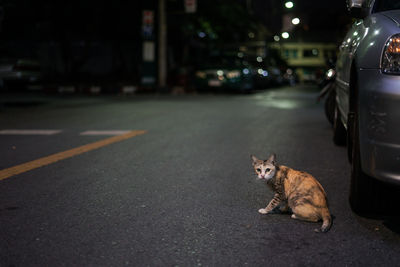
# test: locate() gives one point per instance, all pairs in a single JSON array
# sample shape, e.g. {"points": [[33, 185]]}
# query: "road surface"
{"points": [[178, 192]]}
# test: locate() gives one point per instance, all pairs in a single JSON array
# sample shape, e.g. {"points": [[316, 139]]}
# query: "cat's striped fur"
{"points": [[296, 190]]}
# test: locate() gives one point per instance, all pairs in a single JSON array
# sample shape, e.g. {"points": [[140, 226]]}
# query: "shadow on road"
{"points": [[390, 221], [393, 224]]}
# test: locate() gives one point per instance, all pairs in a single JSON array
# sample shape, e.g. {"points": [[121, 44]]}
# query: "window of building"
{"points": [[311, 52], [294, 53], [290, 53], [286, 53]]}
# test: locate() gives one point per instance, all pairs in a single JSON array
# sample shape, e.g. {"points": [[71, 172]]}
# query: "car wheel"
{"points": [[365, 191], [339, 132]]}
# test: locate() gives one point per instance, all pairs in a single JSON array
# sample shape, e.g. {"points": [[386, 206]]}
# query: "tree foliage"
{"points": [[223, 21]]}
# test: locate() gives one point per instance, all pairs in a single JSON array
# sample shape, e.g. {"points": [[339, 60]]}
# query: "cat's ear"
{"points": [[254, 158], [271, 159]]}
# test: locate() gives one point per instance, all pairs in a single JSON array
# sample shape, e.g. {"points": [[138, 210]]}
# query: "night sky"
{"points": [[119, 19]]}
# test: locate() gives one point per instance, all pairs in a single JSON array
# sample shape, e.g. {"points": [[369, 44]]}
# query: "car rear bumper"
{"points": [[379, 117]]}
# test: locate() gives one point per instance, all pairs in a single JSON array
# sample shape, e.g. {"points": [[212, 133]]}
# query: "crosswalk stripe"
{"points": [[28, 132]]}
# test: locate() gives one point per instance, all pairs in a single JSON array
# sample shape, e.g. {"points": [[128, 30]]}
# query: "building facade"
{"points": [[308, 60]]}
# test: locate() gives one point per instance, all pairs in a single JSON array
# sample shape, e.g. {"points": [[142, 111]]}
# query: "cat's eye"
{"points": [[267, 169], [258, 170]]}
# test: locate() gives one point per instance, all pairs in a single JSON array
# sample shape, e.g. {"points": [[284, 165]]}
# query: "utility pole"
{"points": [[162, 45]]}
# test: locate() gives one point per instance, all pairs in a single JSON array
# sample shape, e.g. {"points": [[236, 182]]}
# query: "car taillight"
{"points": [[391, 56]]}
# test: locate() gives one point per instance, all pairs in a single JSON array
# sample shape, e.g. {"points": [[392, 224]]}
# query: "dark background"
{"points": [[101, 41]]}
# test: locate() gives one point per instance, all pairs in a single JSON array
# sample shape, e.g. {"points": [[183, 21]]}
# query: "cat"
{"points": [[296, 190]]}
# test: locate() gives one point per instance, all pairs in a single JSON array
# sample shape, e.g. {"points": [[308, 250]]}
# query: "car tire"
{"points": [[350, 135], [330, 106], [339, 132], [366, 193]]}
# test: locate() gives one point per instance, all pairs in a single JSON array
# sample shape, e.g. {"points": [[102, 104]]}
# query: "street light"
{"points": [[296, 21], [289, 4], [285, 35]]}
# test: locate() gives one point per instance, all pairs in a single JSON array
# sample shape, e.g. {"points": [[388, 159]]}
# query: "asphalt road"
{"points": [[181, 194]]}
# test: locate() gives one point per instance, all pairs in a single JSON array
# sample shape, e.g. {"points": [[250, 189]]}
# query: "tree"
{"points": [[216, 24]]}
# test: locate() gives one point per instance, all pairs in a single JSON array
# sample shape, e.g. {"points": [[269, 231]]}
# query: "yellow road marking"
{"points": [[6, 173]]}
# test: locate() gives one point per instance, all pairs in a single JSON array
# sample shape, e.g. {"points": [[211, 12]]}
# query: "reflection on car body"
{"points": [[368, 99]]}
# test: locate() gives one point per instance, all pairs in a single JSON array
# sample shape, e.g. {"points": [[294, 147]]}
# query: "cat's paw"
{"points": [[263, 211]]}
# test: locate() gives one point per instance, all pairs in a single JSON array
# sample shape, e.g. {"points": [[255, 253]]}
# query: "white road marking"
{"points": [[28, 132], [106, 132]]}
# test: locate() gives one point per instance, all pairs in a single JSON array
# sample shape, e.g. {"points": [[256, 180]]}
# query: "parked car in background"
{"points": [[266, 73], [367, 111], [224, 73], [19, 73]]}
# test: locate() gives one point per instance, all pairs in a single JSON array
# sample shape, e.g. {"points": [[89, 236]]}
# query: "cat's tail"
{"points": [[326, 221]]}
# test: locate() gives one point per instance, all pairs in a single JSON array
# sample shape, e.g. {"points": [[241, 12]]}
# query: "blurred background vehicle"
{"points": [[19, 74], [266, 73], [289, 77], [367, 111], [224, 72]]}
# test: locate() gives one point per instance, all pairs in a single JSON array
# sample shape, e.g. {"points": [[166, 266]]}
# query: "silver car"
{"points": [[367, 113]]}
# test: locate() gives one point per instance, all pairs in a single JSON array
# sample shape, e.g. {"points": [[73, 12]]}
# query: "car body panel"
{"points": [[377, 29], [378, 93], [393, 15], [379, 116]]}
